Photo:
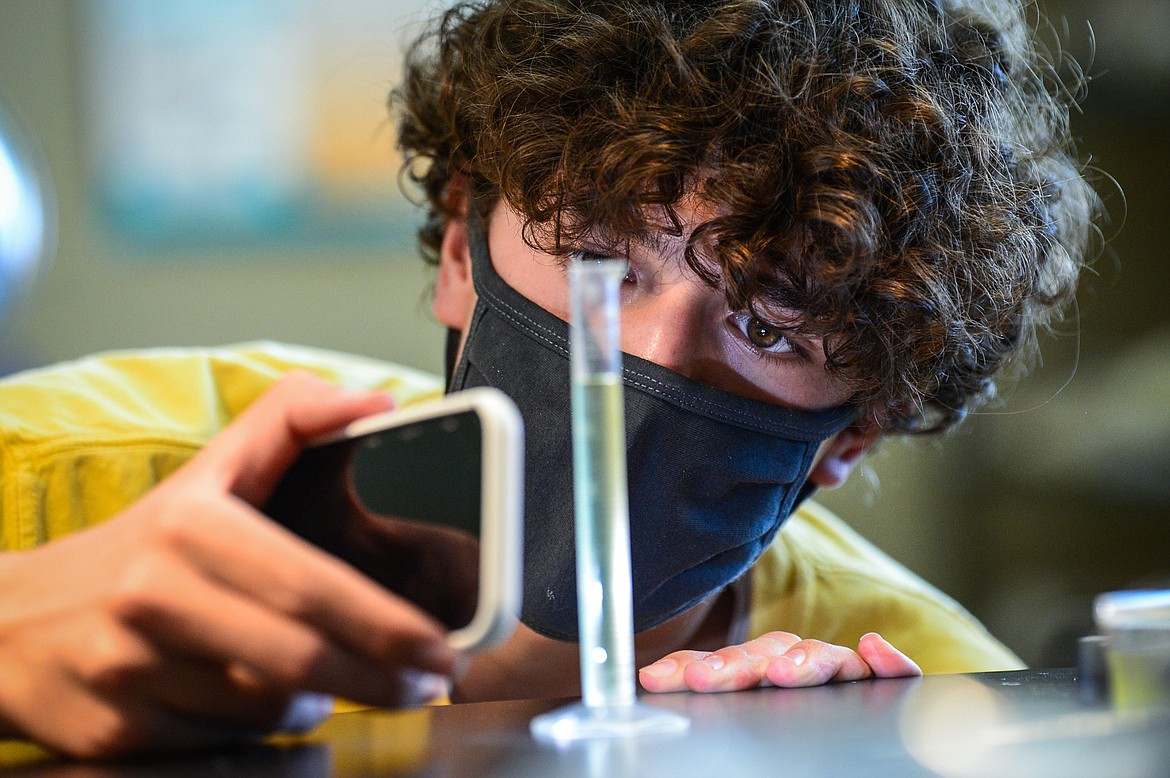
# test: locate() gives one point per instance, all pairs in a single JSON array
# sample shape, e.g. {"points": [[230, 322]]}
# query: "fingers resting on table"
{"points": [[776, 659]]}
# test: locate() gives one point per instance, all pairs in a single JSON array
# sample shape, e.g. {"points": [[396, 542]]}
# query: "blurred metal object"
{"points": [[1092, 669], [1137, 624], [28, 214]]}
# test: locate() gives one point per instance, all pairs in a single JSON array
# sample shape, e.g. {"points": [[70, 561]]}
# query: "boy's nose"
{"points": [[673, 328]]}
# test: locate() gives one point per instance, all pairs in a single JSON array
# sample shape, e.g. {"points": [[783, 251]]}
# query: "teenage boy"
{"points": [[840, 220]]}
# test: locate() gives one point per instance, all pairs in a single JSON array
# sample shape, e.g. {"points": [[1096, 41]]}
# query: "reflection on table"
{"points": [[1028, 723]]}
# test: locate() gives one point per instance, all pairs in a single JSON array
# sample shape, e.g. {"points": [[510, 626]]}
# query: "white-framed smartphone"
{"points": [[426, 500]]}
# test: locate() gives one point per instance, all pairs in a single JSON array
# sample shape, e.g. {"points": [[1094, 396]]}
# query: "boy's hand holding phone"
{"points": [[190, 620], [428, 501]]}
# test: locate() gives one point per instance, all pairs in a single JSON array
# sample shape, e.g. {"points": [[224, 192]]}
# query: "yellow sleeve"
{"points": [[82, 440], [822, 580]]}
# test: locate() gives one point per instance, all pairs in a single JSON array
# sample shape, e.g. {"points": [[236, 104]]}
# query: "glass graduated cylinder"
{"points": [[605, 612], [604, 590]]}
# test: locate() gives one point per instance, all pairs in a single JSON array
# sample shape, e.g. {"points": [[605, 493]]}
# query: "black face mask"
{"points": [[712, 475]]}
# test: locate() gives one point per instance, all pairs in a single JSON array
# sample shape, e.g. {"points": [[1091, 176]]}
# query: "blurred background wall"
{"points": [[1058, 491], [213, 107]]}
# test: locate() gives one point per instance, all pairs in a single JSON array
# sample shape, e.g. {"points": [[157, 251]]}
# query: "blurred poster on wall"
{"points": [[247, 120]]}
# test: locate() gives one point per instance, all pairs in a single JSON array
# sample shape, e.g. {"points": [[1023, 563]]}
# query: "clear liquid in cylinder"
{"points": [[602, 539]]}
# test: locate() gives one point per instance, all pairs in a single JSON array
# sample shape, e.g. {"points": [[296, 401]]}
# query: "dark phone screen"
{"points": [[401, 505]]}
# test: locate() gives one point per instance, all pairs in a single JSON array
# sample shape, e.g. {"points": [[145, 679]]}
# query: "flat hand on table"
{"points": [[776, 659]]}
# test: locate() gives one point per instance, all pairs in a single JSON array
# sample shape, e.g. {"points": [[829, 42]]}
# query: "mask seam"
{"points": [[655, 387], [761, 424], [519, 318]]}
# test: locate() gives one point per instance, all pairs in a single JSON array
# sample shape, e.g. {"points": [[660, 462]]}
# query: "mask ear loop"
{"points": [[451, 353], [807, 489], [454, 336]]}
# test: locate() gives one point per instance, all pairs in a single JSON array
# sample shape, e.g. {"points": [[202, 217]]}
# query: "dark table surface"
{"points": [[1029, 723]]}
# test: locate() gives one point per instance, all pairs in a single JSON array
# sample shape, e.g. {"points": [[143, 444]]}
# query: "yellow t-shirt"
{"points": [[81, 441], [821, 579]]}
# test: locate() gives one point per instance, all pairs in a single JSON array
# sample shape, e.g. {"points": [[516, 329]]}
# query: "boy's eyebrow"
{"points": [[653, 240]]}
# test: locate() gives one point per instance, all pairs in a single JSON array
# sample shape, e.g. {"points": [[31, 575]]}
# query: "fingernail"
{"points": [[714, 661], [796, 656], [423, 687], [460, 666], [305, 711], [661, 669]]}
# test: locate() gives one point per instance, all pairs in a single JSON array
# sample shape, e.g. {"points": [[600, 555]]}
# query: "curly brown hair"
{"points": [[900, 171]]}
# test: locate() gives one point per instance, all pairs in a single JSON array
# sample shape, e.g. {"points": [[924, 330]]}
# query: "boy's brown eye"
{"points": [[762, 335]]}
